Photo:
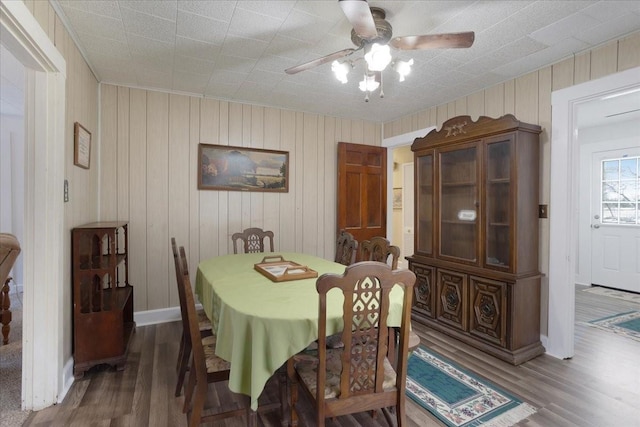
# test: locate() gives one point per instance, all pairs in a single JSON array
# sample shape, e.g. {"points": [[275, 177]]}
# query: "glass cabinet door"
{"points": [[424, 204], [458, 171], [498, 204]]}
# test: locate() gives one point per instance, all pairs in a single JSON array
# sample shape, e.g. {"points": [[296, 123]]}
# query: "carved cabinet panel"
{"points": [[424, 290], [452, 299], [488, 314]]}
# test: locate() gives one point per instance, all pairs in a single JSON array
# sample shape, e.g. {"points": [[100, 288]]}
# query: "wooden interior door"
{"points": [[362, 190]]}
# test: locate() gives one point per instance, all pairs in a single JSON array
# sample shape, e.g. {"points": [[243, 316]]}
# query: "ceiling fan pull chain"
{"points": [[381, 88], [366, 96]]}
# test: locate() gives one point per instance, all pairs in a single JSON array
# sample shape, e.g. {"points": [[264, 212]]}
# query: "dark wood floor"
{"points": [[599, 387]]}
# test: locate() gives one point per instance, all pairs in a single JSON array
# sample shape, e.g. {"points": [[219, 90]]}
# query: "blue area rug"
{"points": [[459, 398], [627, 324]]}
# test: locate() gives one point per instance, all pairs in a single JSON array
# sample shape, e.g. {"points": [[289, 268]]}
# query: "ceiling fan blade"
{"points": [[434, 41], [319, 61], [360, 17]]}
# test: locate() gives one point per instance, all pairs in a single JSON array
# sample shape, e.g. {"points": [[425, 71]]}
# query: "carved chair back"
{"points": [[347, 248], [367, 380], [253, 240], [379, 249]]}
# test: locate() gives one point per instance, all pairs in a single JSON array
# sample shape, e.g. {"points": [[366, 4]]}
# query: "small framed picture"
{"points": [[397, 198], [82, 146]]}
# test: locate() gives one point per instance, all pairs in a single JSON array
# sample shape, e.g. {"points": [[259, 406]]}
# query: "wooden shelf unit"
{"points": [[476, 235], [102, 296]]}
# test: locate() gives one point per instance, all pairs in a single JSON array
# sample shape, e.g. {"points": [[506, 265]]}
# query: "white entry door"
{"points": [[615, 219]]}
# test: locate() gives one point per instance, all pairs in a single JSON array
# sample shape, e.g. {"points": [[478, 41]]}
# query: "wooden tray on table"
{"points": [[277, 269]]}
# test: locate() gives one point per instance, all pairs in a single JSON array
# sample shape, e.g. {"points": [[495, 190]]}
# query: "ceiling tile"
{"points": [[249, 24], [194, 65], [166, 9], [220, 10], [196, 48], [201, 28], [243, 47], [148, 26], [139, 45], [610, 30], [605, 11], [110, 9], [98, 25], [564, 28]]}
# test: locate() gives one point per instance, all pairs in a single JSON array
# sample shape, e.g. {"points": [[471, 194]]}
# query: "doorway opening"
{"points": [[564, 200], [12, 127], [44, 142], [399, 168]]}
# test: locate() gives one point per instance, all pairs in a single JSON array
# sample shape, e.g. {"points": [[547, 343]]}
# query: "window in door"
{"points": [[620, 191]]}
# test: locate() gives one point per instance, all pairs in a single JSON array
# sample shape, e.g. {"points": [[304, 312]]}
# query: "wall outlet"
{"points": [[543, 211], [66, 191]]}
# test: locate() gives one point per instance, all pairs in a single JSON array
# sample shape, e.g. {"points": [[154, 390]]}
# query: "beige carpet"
{"points": [[11, 369], [613, 293]]}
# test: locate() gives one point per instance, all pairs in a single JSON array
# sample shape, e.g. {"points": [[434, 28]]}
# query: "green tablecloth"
{"points": [[260, 324]]}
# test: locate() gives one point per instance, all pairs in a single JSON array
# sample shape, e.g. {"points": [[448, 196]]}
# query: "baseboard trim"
{"points": [[153, 317], [543, 340], [161, 315], [67, 379]]}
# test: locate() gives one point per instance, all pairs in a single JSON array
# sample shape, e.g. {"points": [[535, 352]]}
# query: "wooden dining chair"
{"points": [[205, 367], [253, 240], [204, 324], [346, 248], [379, 249], [358, 377]]}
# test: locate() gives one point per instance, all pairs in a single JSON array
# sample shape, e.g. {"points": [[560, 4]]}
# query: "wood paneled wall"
{"points": [[528, 97], [81, 106], [148, 176]]}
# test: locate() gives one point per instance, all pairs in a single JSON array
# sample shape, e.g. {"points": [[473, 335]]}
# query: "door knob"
{"points": [[596, 225]]}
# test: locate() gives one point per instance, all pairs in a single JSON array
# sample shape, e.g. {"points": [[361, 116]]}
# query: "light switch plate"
{"points": [[543, 211], [66, 191]]}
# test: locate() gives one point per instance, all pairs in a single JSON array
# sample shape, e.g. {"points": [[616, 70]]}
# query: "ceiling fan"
{"points": [[370, 27]]}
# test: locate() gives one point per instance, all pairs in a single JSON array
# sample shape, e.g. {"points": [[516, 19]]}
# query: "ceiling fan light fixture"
{"points": [[369, 83], [403, 68], [378, 57], [340, 69], [372, 34]]}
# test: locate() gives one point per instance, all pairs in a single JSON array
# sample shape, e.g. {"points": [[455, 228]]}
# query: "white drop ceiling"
{"points": [[238, 50]]}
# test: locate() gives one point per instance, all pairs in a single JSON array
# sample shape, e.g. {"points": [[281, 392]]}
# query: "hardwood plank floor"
{"points": [[599, 387]]}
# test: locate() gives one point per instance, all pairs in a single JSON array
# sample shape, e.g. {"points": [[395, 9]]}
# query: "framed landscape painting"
{"points": [[223, 167]]}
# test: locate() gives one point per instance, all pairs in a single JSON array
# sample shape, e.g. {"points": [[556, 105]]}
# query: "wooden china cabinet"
{"points": [[102, 296], [476, 235]]}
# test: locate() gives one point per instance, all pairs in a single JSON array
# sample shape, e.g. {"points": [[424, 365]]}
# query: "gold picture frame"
{"points": [[224, 167], [82, 146]]}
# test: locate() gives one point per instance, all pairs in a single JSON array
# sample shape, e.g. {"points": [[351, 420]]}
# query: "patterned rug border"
{"points": [[613, 293], [610, 324], [491, 406]]}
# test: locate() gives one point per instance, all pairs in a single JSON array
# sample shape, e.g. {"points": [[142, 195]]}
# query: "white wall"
{"points": [[12, 152]]}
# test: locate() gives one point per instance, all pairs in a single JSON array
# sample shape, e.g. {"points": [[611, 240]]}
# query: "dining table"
{"points": [[261, 323]]}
